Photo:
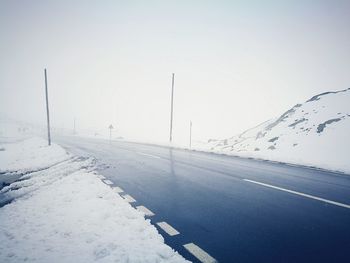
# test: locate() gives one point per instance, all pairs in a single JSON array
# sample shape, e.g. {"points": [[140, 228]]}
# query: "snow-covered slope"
{"points": [[314, 133]]}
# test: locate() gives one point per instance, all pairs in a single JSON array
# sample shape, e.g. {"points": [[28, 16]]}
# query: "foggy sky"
{"points": [[236, 63]]}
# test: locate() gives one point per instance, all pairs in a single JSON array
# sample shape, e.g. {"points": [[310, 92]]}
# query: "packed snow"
{"points": [[30, 155], [59, 210], [315, 133]]}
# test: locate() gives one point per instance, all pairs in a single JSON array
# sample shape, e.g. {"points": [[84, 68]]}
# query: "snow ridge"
{"points": [[314, 133]]}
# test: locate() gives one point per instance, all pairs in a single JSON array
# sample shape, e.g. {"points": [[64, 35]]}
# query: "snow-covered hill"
{"points": [[315, 133]]}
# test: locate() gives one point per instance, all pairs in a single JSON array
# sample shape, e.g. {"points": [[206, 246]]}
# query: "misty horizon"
{"points": [[236, 64]]}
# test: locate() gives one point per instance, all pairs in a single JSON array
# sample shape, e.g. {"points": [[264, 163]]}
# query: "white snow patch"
{"points": [[30, 155], [65, 213]]}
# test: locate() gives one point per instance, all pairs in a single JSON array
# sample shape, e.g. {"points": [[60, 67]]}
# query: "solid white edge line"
{"points": [[129, 198], [149, 155], [145, 210], [117, 189], [299, 193], [109, 182], [199, 253], [168, 228]]}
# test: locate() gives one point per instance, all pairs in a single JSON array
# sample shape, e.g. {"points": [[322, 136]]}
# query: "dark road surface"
{"points": [[234, 209]]}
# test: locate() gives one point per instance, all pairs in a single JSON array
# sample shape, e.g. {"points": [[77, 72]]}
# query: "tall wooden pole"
{"points": [[47, 110], [190, 134], [171, 111]]}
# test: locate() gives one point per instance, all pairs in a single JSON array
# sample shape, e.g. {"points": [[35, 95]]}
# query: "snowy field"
{"points": [[59, 210], [314, 133]]}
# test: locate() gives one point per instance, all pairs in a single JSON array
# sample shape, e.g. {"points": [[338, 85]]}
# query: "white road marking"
{"points": [[301, 194], [101, 177], [149, 155], [145, 210], [117, 189], [199, 253], [129, 198], [168, 228], [108, 182]]}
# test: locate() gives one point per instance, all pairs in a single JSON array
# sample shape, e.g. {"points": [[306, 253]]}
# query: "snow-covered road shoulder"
{"points": [[65, 213], [29, 155]]}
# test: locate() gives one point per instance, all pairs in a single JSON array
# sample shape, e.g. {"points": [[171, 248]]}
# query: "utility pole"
{"points": [[171, 111], [47, 110], [74, 128], [190, 134]]}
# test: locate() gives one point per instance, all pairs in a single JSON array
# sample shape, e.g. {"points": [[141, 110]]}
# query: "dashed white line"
{"points": [[149, 155], [168, 228], [299, 193], [129, 198], [108, 182], [117, 189], [199, 253], [145, 210]]}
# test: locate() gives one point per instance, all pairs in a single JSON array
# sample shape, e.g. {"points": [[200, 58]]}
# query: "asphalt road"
{"points": [[234, 209]]}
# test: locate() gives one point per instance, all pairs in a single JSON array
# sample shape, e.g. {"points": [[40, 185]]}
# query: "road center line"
{"points": [[199, 253], [149, 155], [299, 193], [108, 182], [145, 210], [117, 189], [129, 199], [168, 228]]}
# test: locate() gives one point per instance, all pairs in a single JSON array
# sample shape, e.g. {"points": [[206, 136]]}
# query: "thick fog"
{"points": [[236, 63]]}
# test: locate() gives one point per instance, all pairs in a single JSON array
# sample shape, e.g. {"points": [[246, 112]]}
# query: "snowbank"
{"points": [[29, 155], [63, 212]]}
